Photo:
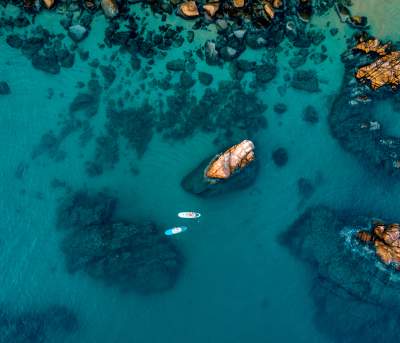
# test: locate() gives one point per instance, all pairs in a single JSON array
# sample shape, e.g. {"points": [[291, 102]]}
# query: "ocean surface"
{"points": [[238, 284]]}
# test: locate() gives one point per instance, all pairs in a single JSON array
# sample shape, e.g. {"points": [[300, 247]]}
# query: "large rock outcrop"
{"points": [[354, 116], [355, 298], [234, 169]]}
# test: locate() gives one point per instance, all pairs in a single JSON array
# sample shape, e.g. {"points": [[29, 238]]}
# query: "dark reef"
{"points": [[128, 256]]}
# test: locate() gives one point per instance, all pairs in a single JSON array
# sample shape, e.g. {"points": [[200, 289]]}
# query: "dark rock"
{"points": [[4, 88], [280, 157], [176, 65], [85, 102], [109, 73], [14, 41], [186, 80], [305, 80], [83, 209], [135, 63], [31, 46], [190, 36], [47, 63], [65, 58], [280, 108], [334, 31], [245, 65], [77, 32], [135, 124], [205, 78], [310, 115], [265, 73]]}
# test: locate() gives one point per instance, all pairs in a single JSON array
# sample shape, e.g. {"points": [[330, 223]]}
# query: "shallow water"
{"points": [[238, 284]]}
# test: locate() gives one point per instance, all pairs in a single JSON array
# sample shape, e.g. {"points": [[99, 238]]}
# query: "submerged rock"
{"points": [[310, 115], [305, 80], [231, 170], [280, 157], [4, 88], [128, 256]]}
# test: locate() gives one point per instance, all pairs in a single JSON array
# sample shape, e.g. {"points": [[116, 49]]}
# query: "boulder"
{"points": [[211, 8], [176, 65], [48, 3], [205, 78], [280, 157], [4, 88], [305, 80], [188, 9], [232, 170], [77, 32], [110, 8]]}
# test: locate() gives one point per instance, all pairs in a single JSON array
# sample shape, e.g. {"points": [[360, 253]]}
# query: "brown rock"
{"points": [[372, 45], [235, 158], [188, 9], [110, 8], [48, 3], [211, 8], [384, 71], [386, 239], [269, 10], [238, 3]]}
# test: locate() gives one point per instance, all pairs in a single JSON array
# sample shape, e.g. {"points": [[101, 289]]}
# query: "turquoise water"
{"points": [[238, 284]]}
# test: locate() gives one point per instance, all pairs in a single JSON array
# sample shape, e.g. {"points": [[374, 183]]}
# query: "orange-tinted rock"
{"points": [[110, 8], [384, 71], [386, 239], [189, 9], [238, 3], [235, 158], [48, 3], [211, 8], [277, 4], [372, 45], [269, 10], [364, 236]]}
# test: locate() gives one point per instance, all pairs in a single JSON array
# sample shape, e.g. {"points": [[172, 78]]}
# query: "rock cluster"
{"points": [[125, 255], [386, 241], [383, 71], [353, 297], [353, 116]]}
